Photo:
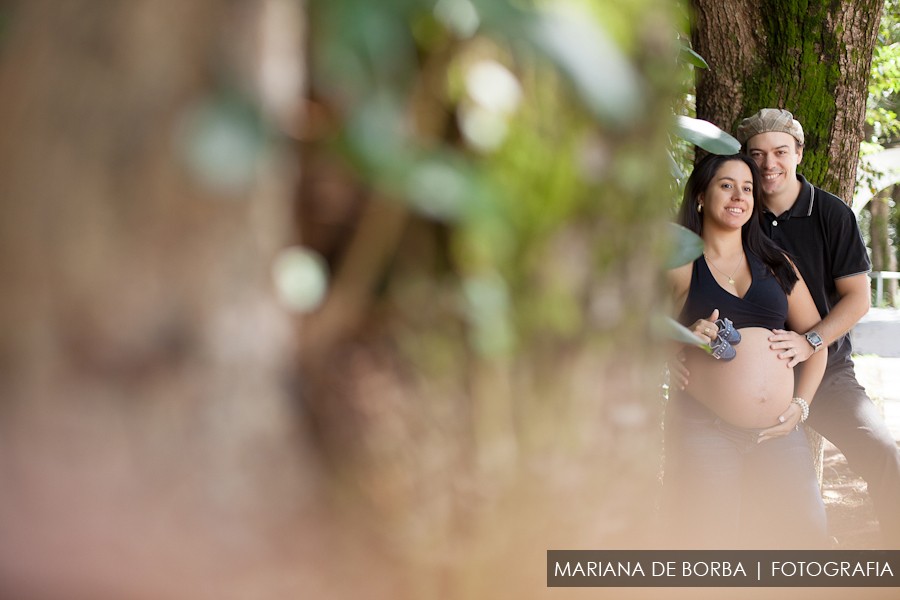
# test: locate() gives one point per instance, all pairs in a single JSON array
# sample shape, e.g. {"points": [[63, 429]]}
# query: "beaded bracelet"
{"points": [[804, 407]]}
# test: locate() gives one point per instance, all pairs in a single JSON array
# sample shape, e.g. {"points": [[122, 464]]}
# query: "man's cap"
{"points": [[769, 119]]}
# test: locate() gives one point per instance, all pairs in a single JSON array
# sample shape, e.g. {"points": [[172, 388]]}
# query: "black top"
{"points": [[821, 235], [764, 304]]}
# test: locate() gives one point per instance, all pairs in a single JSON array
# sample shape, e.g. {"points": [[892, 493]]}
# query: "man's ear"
{"points": [[799, 154]]}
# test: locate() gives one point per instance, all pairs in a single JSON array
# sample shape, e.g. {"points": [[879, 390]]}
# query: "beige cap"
{"points": [[769, 119]]}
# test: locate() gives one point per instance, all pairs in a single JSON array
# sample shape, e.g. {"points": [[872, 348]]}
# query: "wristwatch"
{"points": [[815, 340]]}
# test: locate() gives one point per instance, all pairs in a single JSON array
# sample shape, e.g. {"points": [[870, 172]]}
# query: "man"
{"points": [[820, 233]]}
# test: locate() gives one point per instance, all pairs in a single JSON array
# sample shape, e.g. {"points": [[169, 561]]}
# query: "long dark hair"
{"points": [[751, 233]]}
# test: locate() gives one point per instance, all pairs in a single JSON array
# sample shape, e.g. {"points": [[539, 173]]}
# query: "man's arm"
{"points": [[854, 304], [856, 298]]}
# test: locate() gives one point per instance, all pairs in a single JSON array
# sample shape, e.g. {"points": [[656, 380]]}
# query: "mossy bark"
{"points": [[812, 58]]}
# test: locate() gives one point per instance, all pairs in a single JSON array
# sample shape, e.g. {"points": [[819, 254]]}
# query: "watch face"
{"points": [[814, 338]]}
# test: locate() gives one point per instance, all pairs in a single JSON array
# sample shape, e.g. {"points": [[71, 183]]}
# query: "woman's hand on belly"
{"points": [[789, 420]]}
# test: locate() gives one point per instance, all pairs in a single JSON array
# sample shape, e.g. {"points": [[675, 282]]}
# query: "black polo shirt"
{"points": [[822, 237]]}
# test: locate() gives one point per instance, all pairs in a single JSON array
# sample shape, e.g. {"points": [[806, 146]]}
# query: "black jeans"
{"points": [[724, 490], [843, 413]]}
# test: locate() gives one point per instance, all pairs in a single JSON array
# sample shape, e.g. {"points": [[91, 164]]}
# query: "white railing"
{"points": [[878, 277]]}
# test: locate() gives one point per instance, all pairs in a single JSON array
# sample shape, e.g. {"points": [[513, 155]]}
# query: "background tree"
{"points": [[882, 123], [812, 58], [879, 216]]}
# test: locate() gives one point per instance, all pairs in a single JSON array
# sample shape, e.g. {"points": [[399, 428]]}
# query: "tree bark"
{"points": [[148, 442], [811, 58], [883, 251]]}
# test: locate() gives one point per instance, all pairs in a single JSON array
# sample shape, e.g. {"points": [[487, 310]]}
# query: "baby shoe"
{"points": [[727, 331], [721, 349]]}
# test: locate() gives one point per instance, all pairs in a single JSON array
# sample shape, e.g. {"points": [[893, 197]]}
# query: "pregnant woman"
{"points": [[739, 472]]}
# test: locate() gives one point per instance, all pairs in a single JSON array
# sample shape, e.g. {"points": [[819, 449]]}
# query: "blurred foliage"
{"points": [[882, 108], [706, 135], [671, 329], [507, 177], [883, 104], [689, 131], [221, 141], [884, 83], [525, 144], [686, 247]]}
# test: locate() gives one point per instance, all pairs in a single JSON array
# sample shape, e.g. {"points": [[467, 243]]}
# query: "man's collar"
{"points": [[803, 206]]}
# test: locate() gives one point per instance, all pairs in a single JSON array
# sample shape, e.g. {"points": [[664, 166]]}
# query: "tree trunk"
{"points": [[882, 252], [148, 443], [884, 256], [811, 58]]}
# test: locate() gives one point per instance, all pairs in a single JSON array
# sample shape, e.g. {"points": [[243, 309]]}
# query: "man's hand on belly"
{"points": [[790, 346]]}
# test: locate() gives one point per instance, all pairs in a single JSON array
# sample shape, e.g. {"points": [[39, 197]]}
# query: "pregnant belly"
{"points": [[751, 390]]}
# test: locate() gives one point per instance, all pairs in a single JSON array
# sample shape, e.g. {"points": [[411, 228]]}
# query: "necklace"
{"points": [[730, 277]]}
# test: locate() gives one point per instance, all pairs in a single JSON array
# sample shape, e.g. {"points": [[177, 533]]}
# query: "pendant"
{"points": [[731, 281]]}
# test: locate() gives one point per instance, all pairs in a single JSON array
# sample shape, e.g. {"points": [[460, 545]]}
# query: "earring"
{"points": [[699, 208]]}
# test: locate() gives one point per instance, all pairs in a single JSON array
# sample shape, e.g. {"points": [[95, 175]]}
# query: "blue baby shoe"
{"points": [[721, 349], [727, 331]]}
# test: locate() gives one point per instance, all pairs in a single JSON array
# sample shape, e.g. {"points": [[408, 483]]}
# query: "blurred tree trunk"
{"points": [[884, 254], [880, 240], [812, 58], [147, 444], [894, 261]]}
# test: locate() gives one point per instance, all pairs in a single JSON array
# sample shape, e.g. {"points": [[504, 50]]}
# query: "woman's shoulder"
{"points": [[680, 278]]}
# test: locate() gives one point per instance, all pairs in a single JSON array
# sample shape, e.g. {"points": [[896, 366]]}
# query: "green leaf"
{"points": [[669, 328], [674, 169], [604, 77], [706, 135], [692, 58], [686, 246]]}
